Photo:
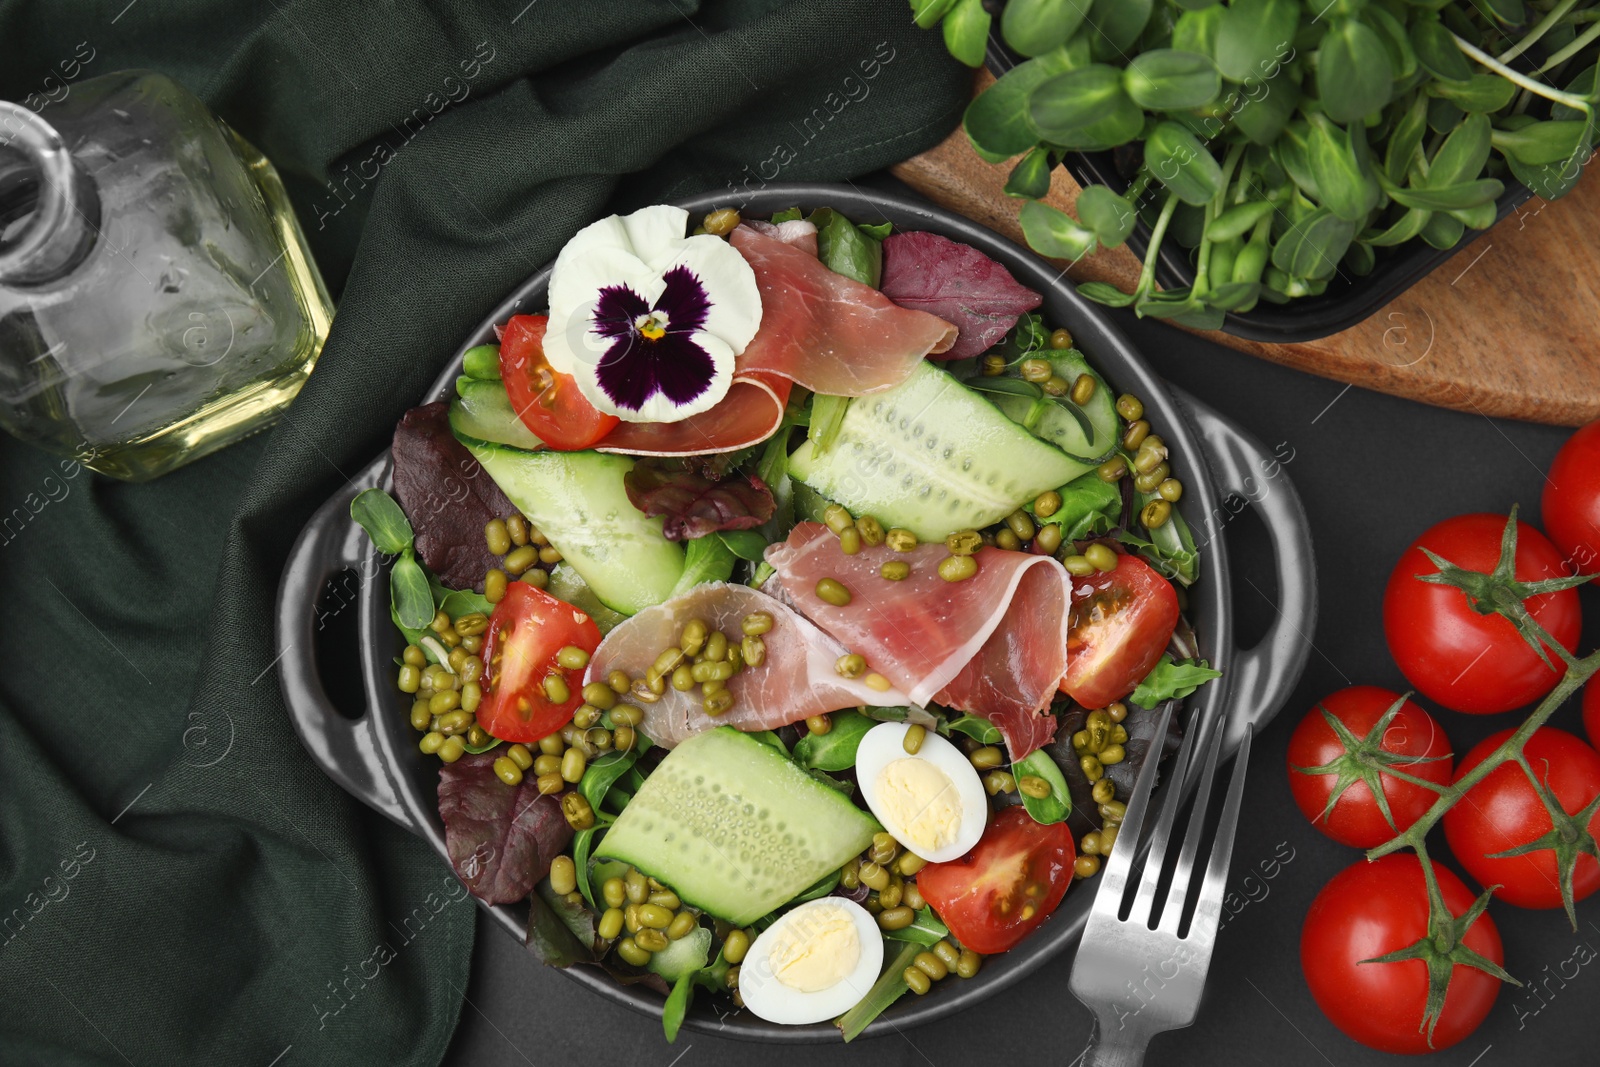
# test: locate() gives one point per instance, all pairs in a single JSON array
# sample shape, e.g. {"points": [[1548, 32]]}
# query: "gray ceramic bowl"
{"points": [[375, 756]]}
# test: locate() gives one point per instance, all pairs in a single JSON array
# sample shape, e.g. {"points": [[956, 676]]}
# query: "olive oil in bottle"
{"points": [[157, 297]]}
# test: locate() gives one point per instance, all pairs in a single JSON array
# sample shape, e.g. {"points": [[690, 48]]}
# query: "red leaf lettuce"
{"points": [[693, 503], [500, 838], [958, 283]]}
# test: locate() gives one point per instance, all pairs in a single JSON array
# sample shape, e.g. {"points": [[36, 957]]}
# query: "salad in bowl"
{"points": [[787, 607]]}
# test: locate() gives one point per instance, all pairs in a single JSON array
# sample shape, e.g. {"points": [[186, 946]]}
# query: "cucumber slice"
{"points": [[483, 412], [566, 584], [577, 499], [934, 457], [689, 953], [735, 827], [1054, 423]]}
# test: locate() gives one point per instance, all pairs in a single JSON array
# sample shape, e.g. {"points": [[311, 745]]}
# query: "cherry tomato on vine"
{"points": [[1503, 812], [1570, 506], [547, 401], [1464, 660], [1372, 909], [1411, 742]]}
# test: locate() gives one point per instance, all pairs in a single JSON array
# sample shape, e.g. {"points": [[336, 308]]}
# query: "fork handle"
{"points": [[1115, 1048]]}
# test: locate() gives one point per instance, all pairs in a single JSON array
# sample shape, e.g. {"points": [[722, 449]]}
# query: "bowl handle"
{"points": [[1241, 467], [347, 749]]}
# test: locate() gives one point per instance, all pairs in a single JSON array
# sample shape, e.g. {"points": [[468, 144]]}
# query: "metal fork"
{"points": [[1142, 972]]}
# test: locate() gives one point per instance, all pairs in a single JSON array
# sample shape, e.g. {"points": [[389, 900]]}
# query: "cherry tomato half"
{"points": [[1356, 820], [1370, 910], [1502, 812], [1470, 662], [1570, 506], [1009, 883], [547, 402], [1121, 621], [528, 628]]}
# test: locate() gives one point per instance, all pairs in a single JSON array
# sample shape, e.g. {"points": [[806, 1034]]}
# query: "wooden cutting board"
{"points": [[1509, 326]]}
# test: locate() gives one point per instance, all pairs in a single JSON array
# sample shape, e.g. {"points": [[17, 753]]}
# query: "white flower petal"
{"points": [[729, 281], [575, 283], [655, 234]]}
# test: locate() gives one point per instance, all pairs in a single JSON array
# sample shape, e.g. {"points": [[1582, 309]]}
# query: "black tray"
{"points": [[374, 756], [1349, 298]]}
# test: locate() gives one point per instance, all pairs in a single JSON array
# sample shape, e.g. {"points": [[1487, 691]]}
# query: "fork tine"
{"points": [[1115, 876], [1209, 908], [1172, 910], [1176, 780]]}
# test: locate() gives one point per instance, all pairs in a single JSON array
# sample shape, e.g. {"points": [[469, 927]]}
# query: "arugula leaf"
{"points": [[788, 214], [582, 843], [706, 559], [746, 544], [974, 726], [678, 1005], [827, 416], [926, 929], [559, 933], [1170, 546], [768, 737], [876, 230], [836, 749], [890, 987], [818, 889], [1089, 507], [844, 249], [1048, 809], [1171, 679]]}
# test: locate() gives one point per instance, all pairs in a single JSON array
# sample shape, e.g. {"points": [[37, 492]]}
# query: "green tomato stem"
{"points": [[1511, 749], [1577, 103], [1544, 26]]}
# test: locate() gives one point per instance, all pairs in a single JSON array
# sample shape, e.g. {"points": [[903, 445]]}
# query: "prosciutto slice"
{"points": [[794, 682], [751, 412], [827, 332], [994, 645], [798, 232], [819, 329]]}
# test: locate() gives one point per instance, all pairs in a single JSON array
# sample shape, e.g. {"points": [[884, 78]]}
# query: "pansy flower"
{"points": [[648, 321]]}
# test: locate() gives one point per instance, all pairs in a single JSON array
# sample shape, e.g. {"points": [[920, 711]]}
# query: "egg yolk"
{"points": [[919, 800], [815, 949]]}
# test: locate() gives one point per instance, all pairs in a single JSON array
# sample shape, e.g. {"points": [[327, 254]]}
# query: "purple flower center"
{"points": [[652, 348]]}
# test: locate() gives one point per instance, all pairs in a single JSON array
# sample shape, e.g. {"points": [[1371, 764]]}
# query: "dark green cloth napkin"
{"points": [[178, 882]]}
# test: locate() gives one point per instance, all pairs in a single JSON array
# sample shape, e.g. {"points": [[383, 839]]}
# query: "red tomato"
{"points": [[1356, 820], [1013, 878], [547, 402], [527, 629], [1370, 910], [1119, 629], [1503, 811], [1466, 661], [1591, 711], [1571, 503]]}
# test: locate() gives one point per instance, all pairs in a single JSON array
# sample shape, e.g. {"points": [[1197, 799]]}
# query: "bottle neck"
{"points": [[49, 208]]}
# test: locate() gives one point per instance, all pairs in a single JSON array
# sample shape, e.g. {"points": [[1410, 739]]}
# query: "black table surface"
{"points": [[1374, 472]]}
